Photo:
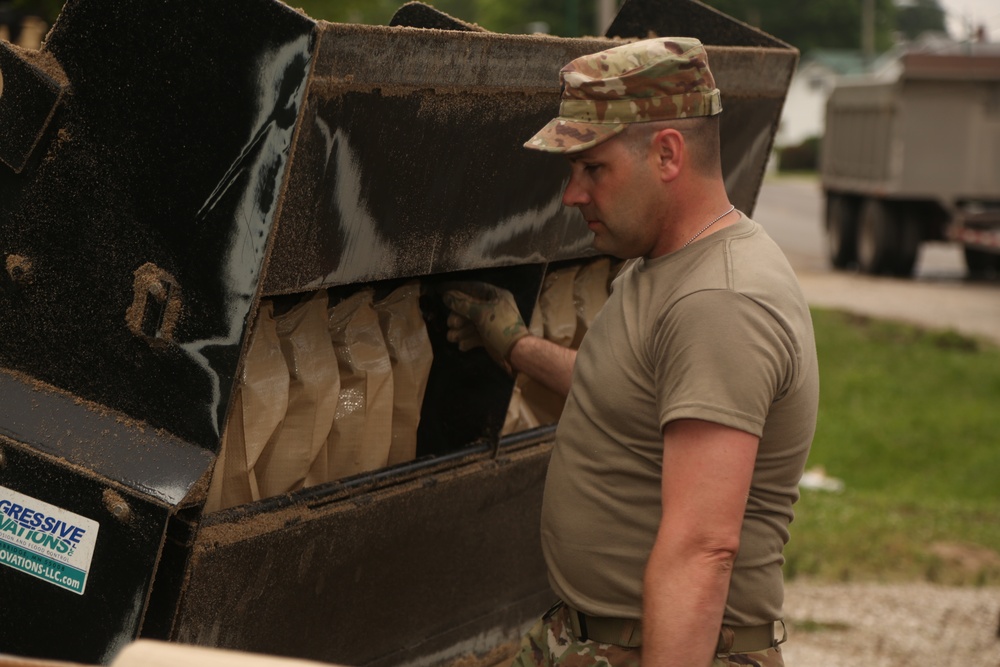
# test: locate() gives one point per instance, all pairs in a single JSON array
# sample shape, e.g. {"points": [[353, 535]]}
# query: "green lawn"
{"points": [[910, 421]]}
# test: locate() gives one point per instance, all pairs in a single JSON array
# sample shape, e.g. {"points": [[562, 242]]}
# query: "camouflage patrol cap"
{"points": [[653, 79]]}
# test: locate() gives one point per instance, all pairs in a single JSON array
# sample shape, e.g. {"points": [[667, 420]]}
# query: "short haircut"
{"points": [[701, 136]]}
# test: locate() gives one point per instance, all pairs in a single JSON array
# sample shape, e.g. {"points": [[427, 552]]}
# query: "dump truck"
{"points": [[229, 414], [914, 156]]}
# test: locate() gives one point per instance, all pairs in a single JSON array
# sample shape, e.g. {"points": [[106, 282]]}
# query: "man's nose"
{"points": [[575, 195]]}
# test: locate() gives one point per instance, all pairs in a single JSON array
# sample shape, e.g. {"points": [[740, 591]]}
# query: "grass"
{"points": [[910, 421]]}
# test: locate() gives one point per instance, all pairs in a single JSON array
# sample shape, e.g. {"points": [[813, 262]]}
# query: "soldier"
{"points": [[692, 401]]}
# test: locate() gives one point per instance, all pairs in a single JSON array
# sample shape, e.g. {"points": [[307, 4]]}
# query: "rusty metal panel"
{"points": [[415, 571], [135, 205], [180, 158], [753, 82], [640, 18], [409, 158], [99, 441], [384, 102], [34, 90], [52, 588], [134, 244]]}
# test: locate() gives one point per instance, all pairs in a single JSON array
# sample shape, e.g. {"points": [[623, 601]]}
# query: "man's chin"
{"points": [[596, 244], [602, 244]]}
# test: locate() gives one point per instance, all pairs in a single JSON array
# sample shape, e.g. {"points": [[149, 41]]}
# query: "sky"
{"points": [[959, 12]]}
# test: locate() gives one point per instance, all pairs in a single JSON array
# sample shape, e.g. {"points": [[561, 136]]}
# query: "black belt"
{"points": [[627, 632]]}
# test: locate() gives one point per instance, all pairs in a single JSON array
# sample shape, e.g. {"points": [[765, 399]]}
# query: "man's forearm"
{"points": [[545, 362], [707, 470], [684, 600]]}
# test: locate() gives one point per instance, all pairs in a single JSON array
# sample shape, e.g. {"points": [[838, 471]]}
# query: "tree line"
{"points": [[816, 24]]}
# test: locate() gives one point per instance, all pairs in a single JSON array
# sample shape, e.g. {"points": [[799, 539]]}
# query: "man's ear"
{"points": [[669, 153]]}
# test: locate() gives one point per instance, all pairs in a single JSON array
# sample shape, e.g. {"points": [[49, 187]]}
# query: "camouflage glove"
{"points": [[485, 315]]}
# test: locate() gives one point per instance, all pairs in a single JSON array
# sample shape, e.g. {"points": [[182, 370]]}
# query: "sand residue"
{"points": [[235, 526], [20, 269], [44, 61], [152, 281]]}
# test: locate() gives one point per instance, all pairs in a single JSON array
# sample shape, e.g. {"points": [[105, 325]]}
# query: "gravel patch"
{"points": [[876, 625]]}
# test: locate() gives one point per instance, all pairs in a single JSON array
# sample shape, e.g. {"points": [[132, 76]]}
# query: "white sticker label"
{"points": [[46, 541]]}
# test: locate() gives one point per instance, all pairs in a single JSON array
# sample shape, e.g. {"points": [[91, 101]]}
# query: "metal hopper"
{"points": [[168, 167]]}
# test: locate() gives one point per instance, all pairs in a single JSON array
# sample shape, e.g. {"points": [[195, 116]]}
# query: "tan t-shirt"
{"points": [[718, 331]]}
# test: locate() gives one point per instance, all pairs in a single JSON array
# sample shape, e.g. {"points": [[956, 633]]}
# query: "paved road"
{"points": [[939, 296]]}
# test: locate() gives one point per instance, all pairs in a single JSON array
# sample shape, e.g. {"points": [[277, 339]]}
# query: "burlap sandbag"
{"points": [[411, 355], [314, 389], [590, 291], [558, 310], [569, 302], [542, 405], [230, 480], [559, 323], [520, 416], [536, 327], [532, 404], [362, 430], [259, 405]]}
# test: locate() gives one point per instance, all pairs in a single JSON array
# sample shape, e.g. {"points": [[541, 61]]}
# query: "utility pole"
{"points": [[868, 30], [604, 15]]}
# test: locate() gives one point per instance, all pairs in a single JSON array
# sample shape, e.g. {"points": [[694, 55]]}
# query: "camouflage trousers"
{"points": [[550, 643]]}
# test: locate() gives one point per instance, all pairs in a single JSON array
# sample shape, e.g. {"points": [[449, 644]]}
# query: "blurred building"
{"points": [[818, 72]]}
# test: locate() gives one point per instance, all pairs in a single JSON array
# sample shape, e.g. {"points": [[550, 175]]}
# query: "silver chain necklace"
{"points": [[705, 228]]}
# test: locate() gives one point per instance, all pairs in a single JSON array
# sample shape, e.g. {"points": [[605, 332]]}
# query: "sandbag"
{"points": [[314, 388], [259, 405], [231, 478], [553, 318], [362, 429], [410, 355], [590, 291], [558, 311], [570, 300], [559, 323], [520, 416]]}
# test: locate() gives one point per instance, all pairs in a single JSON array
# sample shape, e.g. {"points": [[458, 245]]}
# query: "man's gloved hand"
{"points": [[483, 314]]}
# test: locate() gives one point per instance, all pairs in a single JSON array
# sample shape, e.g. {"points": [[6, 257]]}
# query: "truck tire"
{"points": [[841, 230], [981, 265], [908, 235], [886, 243]]}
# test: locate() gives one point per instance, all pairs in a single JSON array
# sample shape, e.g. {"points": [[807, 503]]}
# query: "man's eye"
{"points": [[591, 167]]}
